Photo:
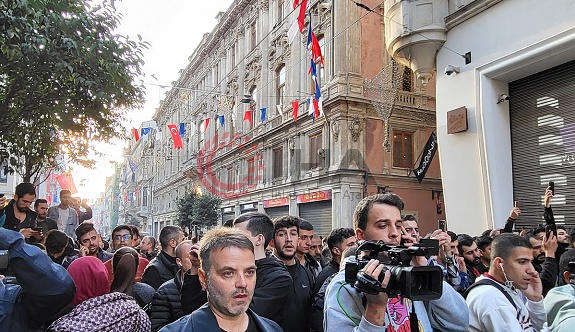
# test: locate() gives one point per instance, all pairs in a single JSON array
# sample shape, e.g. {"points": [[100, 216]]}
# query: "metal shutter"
{"points": [[319, 215], [542, 110], [278, 211]]}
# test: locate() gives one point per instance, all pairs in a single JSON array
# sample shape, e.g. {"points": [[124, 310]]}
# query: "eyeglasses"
{"points": [[124, 237]]}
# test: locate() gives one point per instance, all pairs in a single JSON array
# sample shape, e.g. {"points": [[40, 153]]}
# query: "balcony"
{"points": [[142, 211]]}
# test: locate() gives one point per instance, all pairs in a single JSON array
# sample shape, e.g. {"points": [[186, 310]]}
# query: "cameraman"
{"points": [[378, 217], [560, 301], [44, 287]]}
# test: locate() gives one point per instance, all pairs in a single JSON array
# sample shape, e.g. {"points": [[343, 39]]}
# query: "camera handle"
{"points": [[368, 284]]}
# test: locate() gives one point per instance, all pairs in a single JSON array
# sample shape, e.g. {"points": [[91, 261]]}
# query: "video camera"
{"points": [[4, 262], [418, 283]]}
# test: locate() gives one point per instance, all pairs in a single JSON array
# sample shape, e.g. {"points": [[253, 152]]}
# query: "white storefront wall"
{"points": [[509, 41]]}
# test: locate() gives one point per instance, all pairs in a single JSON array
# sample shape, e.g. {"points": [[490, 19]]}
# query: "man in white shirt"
{"points": [[64, 214], [509, 297]]}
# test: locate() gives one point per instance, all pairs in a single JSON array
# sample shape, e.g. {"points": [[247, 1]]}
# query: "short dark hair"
{"points": [[258, 223], [452, 236], [464, 240], [56, 241], [286, 222], [25, 188], [121, 227], [409, 217], [83, 229], [39, 201], [135, 231], [168, 233], [531, 235], [305, 225], [65, 191], [561, 227], [566, 257], [484, 242], [363, 207], [504, 244], [487, 232], [219, 239], [338, 235]]}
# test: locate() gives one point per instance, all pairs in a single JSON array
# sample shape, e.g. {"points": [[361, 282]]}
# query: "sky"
{"points": [[173, 28]]}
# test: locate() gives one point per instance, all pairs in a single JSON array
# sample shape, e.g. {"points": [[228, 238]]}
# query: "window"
{"points": [[280, 10], [253, 40], [280, 84], [231, 178], [321, 74], [233, 55], [278, 163], [251, 171], [314, 146], [402, 149], [145, 196]]}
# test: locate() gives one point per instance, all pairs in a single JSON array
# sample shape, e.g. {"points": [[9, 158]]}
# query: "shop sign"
{"points": [[276, 202], [317, 196]]}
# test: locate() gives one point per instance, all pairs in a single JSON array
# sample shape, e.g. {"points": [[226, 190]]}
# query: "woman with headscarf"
{"points": [[125, 264], [95, 308]]}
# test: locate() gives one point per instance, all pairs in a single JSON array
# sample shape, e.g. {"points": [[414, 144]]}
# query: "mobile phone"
{"points": [[550, 228], [441, 224], [1, 195], [515, 204], [552, 187]]}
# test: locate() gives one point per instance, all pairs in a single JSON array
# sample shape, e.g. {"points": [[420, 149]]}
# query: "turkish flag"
{"points": [[248, 116], [66, 182], [176, 136]]}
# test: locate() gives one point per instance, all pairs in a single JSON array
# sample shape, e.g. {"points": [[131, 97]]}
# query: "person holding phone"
{"points": [[19, 216]]}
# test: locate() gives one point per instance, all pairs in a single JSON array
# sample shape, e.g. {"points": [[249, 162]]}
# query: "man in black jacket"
{"points": [[42, 220], [274, 281], [19, 216], [166, 306], [163, 267], [297, 308], [228, 273], [544, 260], [337, 241]]}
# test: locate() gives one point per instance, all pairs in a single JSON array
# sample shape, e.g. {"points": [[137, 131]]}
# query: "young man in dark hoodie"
{"points": [[298, 305], [273, 280]]}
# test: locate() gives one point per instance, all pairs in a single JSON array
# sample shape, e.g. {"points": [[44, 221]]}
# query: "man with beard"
{"points": [[484, 246], [89, 241], [285, 242], [468, 250], [562, 236], [42, 220], [19, 217], [228, 273], [76, 203], [544, 260], [274, 281]]}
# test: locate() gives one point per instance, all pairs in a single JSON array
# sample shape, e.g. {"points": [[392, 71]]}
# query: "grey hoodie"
{"points": [[448, 313]]}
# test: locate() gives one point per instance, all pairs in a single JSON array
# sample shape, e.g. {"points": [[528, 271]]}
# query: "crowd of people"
{"points": [[255, 274]]}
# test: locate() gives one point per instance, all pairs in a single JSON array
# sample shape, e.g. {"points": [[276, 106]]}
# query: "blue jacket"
{"points": [[203, 320], [44, 287]]}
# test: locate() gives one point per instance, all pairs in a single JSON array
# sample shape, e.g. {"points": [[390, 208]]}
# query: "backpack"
{"points": [[494, 284]]}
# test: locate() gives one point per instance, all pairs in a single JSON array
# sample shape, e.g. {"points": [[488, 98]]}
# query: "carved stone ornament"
{"points": [[355, 127], [335, 129], [291, 145], [264, 5]]}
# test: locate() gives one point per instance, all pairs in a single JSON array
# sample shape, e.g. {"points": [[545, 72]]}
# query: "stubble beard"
{"points": [[216, 299]]}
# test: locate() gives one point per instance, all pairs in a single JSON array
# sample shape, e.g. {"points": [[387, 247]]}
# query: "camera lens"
{"points": [[419, 282]]}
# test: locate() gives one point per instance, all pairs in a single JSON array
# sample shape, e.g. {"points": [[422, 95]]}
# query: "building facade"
{"points": [[510, 66], [320, 168]]}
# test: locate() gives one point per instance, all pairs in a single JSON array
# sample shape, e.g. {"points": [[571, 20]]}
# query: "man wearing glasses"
{"points": [[122, 237]]}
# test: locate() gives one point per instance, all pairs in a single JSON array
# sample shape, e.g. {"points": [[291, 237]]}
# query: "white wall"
{"points": [[511, 40]]}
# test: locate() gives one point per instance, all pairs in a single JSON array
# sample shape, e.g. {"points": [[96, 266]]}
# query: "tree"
{"points": [[66, 80], [198, 210]]}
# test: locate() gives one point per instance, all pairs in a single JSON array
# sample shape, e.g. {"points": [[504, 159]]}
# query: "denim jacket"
{"points": [[44, 287]]}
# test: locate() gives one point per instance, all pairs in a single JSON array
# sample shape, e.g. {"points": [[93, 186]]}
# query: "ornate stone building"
{"points": [[317, 169]]}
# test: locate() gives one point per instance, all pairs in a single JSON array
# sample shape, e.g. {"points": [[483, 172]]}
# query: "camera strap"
{"points": [[413, 321]]}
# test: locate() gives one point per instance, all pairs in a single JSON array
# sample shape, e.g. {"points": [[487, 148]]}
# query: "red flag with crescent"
{"points": [[66, 182], [176, 136]]}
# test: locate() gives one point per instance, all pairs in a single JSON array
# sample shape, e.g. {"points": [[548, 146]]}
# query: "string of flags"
{"points": [[315, 104]]}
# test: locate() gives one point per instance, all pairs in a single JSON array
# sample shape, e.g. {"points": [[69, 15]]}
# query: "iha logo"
{"points": [[237, 185]]}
